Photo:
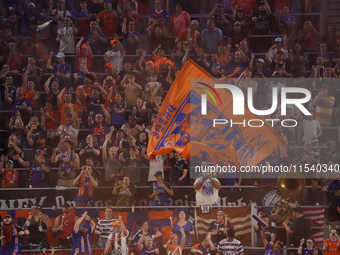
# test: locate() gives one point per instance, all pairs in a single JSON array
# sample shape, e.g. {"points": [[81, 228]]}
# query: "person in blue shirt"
{"points": [[144, 230], [309, 249], [188, 228], [160, 191], [62, 70], [81, 235], [39, 169], [271, 248]]}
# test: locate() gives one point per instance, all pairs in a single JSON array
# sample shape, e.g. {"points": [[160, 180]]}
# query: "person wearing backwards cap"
{"points": [[132, 128], [160, 191], [9, 176], [116, 54], [39, 169], [9, 236], [81, 235], [190, 35], [118, 238], [84, 53]]}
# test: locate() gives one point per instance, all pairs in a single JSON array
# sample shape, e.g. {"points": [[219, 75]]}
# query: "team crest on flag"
{"points": [[181, 126]]}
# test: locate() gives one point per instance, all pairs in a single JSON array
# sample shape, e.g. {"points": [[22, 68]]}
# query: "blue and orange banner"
{"points": [[180, 126]]}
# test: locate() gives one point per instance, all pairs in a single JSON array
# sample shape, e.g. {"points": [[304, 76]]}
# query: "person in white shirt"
{"points": [[206, 188], [118, 238], [66, 36]]}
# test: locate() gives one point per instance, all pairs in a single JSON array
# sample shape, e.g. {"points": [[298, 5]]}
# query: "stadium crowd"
{"points": [[82, 83]]}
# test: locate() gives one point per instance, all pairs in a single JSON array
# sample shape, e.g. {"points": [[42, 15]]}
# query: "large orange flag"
{"points": [[180, 126]]}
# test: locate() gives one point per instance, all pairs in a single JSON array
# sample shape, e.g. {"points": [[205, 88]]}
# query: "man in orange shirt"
{"points": [[88, 85], [64, 105], [247, 5], [331, 246], [107, 19]]}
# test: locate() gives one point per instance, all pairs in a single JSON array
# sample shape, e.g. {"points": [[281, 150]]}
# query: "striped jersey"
{"points": [[105, 227], [233, 247]]}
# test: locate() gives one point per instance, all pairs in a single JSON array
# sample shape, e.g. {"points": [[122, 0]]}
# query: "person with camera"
{"points": [[125, 192], [86, 184]]}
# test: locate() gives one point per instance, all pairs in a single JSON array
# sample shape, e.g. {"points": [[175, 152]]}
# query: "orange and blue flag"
{"points": [[180, 126]]}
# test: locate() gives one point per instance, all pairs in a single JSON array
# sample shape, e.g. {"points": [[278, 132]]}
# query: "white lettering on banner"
{"points": [[10, 204], [238, 100]]}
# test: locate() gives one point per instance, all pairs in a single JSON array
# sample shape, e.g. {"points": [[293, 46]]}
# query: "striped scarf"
{"points": [[82, 245], [15, 233]]}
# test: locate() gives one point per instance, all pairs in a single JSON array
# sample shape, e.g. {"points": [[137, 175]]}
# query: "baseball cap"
{"points": [[39, 151], [110, 65], [280, 243], [240, 10], [108, 1], [84, 46], [61, 1], [32, 4], [115, 223], [69, 115], [36, 205], [278, 40], [113, 41], [10, 161], [194, 22], [261, 2], [158, 173], [23, 89], [132, 117], [60, 55], [260, 60], [237, 23], [41, 137], [220, 212], [325, 86]]}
